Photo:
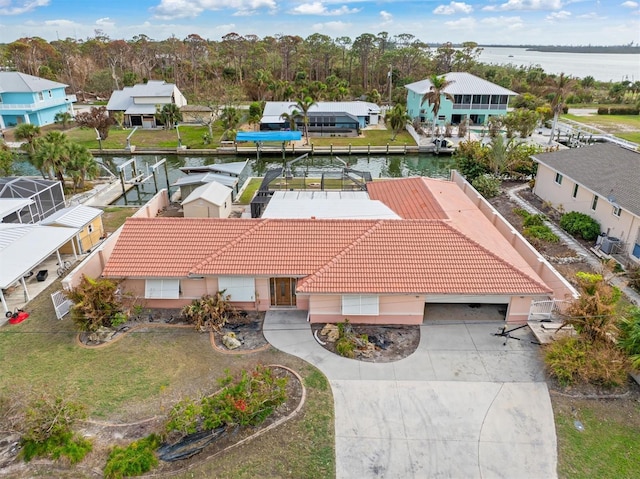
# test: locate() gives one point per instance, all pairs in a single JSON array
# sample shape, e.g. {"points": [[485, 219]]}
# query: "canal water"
{"points": [[392, 166]]}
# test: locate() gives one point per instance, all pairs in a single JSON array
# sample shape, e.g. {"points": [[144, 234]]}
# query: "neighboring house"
{"points": [[189, 183], [86, 220], [197, 114], [211, 200], [602, 181], [45, 197], [441, 249], [474, 98], [139, 102], [29, 99], [326, 118]]}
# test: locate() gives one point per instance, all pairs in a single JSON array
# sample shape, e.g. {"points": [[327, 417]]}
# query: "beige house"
{"points": [[602, 181], [211, 200], [87, 221]]}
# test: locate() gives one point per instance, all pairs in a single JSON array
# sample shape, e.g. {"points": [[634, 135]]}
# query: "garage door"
{"points": [[465, 311], [467, 298]]}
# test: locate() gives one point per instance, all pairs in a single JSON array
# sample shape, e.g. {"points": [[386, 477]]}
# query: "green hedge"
{"points": [[618, 110], [580, 225]]}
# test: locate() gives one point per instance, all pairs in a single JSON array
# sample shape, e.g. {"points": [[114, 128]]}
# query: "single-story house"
{"points": [[474, 98], [196, 114], [211, 200], [139, 102], [86, 220], [602, 181], [441, 248], [30, 99], [326, 118], [45, 197]]}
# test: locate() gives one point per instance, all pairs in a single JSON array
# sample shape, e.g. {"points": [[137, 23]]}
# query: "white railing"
{"points": [[541, 310], [61, 304], [39, 104]]}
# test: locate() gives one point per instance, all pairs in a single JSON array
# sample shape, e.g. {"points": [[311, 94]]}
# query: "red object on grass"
{"points": [[17, 317]]}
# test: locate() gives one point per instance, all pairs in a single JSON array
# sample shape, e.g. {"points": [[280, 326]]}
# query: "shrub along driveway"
{"points": [[462, 405]]}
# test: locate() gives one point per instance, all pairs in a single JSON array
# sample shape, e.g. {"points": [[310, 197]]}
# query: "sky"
{"points": [[513, 22]]}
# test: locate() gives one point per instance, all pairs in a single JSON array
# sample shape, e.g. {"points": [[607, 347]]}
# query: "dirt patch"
{"points": [[390, 342], [247, 329]]}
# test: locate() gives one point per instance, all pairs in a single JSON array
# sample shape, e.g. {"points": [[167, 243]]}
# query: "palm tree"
{"points": [[303, 105], [27, 132], [63, 117], [81, 165], [397, 119], [291, 118], [169, 115], [434, 96], [560, 88], [52, 154]]}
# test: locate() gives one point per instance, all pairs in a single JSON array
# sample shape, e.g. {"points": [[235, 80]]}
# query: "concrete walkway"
{"points": [[463, 405], [580, 250]]}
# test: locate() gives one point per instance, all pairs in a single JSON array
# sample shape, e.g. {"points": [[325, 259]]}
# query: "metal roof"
{"points": [[140, 110], [74, 216], [11, 205], [607, 169], [214, 193], [274, 109], [230, 181], [463, 84], [235, 168], [125, 98], [24, 247], [16, 82]]}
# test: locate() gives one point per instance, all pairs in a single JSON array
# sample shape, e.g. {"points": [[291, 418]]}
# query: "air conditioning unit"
{"points": [[608, 244]]}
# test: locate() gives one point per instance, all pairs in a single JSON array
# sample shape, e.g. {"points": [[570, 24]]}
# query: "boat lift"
{"points": [[139, 179]]}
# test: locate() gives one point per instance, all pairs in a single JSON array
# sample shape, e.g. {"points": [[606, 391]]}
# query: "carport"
{"points": [[23, 248]]}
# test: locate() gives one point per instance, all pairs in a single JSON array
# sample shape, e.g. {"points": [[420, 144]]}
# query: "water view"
{"points": [[379, 167], [601, 66]]}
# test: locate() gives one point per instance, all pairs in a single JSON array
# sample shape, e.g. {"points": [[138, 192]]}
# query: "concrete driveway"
{"points": [[464, 405]]}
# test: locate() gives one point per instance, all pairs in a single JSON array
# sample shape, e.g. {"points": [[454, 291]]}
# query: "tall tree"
{"points": [[397, 119], [434, 96], [97, 118], [27, 132], [168, 115], [560, 88], [81, 165], [303, 105], [52, 154]]}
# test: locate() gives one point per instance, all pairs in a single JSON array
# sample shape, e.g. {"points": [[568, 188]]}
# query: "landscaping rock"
{"points": [[230, 341], [102, 335], [331, 332]]}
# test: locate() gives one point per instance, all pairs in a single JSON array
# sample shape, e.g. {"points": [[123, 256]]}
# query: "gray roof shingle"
{"points": [[606, 169], [463, 84], [16, 82]]}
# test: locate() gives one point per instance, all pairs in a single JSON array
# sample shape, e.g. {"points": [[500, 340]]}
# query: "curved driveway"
{"points": [[463, 405]]}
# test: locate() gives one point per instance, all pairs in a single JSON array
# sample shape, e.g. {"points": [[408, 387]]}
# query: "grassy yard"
{"points": [[114, 217], [145, 373], [192, 137], [608, 446], [623, 126]]}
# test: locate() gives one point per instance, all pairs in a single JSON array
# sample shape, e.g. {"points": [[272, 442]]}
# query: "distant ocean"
{"points": [[601, 66]]}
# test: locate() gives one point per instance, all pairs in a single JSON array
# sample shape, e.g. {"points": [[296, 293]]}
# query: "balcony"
{"points": [[479, 106], [39, 105]]}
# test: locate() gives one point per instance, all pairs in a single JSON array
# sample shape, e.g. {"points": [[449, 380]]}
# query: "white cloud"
{"points": [[453, 7], [561, 15], [18, 7], [526, 5], [512, 23], [318, 8], [630, 4], [591, 15], [336, 27], [386, 17], [170, 9], [105, 22], [61, 23], [463, 23]]}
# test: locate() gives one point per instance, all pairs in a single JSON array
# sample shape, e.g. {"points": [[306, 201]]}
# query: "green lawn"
{"points": [[192, 137], [146, 372], [115, 216], [623, 126], [608, 446]]}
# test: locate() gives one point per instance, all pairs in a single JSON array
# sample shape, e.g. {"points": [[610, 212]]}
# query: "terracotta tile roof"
{"points": [[169, 247], [410, 198], [418, 256], [355, 256]]}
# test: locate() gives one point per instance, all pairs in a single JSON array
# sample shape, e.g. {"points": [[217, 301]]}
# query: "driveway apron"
{"points": [[465, 404]]}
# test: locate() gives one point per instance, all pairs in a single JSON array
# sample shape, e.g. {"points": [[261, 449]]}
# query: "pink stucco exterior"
{"points": [[393, 309]]}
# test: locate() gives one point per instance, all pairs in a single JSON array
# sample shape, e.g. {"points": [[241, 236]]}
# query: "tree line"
{"points": [[281, 67]]}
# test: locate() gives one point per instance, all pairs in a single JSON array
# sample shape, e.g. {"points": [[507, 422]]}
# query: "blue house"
{"points": [[28, 99], [474, 98]]}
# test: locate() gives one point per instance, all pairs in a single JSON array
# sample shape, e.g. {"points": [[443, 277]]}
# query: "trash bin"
{"points": [[42, 274]]}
